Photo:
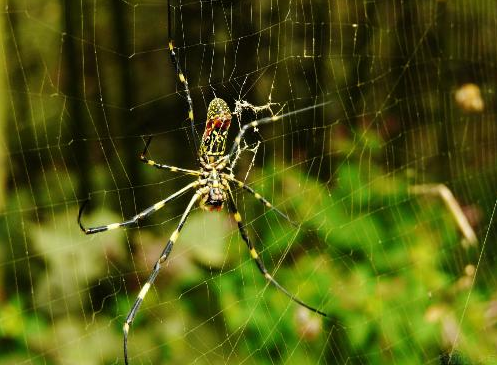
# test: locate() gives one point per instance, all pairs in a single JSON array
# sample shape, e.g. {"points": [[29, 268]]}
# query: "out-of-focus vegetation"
{"points": [[411, 93]]}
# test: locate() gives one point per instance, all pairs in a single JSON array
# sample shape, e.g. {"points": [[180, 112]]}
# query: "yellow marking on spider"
{"points": [[173, 169], [257, 196], [113, 226], [171, 45], [268, 204], [144, 291], [174, 236], [267, 276], [254, 124], [237, 140], [275, 118], [181, 77], [126, 327], [151, 162], [159, 205], [253, 253], [240, 184], [237, 217], [190, 114]]}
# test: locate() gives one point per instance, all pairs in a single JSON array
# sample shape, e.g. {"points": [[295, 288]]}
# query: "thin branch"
{"points": [[452, 204]]}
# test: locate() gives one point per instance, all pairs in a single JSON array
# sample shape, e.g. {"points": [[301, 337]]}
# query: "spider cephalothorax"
{"points": [[215, 192]]}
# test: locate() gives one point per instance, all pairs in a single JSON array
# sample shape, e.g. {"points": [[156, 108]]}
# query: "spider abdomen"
{"points": [[216, 130]]}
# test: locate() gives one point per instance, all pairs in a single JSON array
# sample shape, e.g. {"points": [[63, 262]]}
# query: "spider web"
{"points": [[386, 159]]}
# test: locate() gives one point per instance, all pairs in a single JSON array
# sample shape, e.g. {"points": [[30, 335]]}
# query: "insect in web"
{"points": [[212, 189]]}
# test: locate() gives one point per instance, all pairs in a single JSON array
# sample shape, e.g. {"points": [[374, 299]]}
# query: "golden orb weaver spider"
{"points": [[212, 188]]}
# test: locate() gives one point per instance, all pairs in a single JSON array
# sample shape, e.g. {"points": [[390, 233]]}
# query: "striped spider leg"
{"points": [[181, 76], [163, 257], [259, 197], [160, 166], [142, 215], [255, 256], [165, 253]]}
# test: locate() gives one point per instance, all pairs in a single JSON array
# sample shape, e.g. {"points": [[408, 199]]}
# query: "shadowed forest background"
{"points": [[391, 176]]}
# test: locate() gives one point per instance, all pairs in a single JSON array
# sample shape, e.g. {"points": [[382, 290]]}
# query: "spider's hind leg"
{"points": [[163, 257], [260, 264]]}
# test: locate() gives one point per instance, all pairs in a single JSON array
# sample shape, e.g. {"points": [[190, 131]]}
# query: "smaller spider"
{"points": [[212, 191]]}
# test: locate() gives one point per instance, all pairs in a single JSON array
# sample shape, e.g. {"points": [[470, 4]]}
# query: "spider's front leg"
{"points": [[163, 257], [147, 212], [181, 76], [255, 256], [252, 125]]}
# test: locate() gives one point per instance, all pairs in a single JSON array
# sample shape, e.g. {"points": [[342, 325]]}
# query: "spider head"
{"points": [[216, 129]]}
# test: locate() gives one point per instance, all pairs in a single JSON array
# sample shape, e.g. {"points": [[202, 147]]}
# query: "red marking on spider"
{"points": [[222, 124], [215, 208]]}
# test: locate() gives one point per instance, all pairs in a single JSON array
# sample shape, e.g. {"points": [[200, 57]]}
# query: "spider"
{"points": [[212, 190]]}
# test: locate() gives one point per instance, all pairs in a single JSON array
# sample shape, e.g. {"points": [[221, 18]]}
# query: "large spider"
{"points": [[212, 189]]}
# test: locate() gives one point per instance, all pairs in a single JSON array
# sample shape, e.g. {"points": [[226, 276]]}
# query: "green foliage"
{"points": [[365, 251], [381, 278]]}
